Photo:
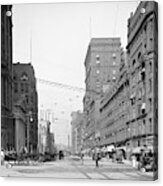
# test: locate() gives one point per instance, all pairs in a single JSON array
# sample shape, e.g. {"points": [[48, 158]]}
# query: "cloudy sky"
{"points": [[60, 34]]}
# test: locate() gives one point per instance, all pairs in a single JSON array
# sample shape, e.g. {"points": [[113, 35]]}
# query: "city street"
{"points": [[73, 169]]}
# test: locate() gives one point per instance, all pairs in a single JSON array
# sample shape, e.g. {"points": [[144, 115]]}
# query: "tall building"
{"points": [[142, 51], [77, 131], [114, 109], [7, 134], [25, 88], [45, 137], [102, 68]]}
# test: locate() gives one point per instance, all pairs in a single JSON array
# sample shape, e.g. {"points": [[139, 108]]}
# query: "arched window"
{"points": [[24, 76]]}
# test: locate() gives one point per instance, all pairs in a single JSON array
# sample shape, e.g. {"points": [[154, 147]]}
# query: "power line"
{"points": [[61, 85]]}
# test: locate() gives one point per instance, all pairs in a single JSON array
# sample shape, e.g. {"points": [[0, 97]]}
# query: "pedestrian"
{"points": [[97, 158], [2, 157], [82, 158]]}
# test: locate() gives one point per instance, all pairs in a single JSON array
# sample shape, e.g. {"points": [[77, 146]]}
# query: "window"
{"points": [[26, 88], [15, 87], [97, 57], [139, 94], [114, 55], [114, 71], [114, 63], [143, 74], [27, 99], [114, 78], [143, 108], [22, 87], [150, 66], [143, 91], [143, 127], [133, 63], [143, 65], [150, 85], [150, 124], [97, 71], [150, 104], [24, 77], [97, 62], [139, 56]]}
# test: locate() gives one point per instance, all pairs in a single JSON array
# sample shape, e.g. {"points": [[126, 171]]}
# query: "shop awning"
{"points": [[137, 150], [121, 148], [110, 148]]}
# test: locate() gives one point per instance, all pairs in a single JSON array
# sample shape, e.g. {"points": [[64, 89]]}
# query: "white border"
{"points": [[51, 182]]}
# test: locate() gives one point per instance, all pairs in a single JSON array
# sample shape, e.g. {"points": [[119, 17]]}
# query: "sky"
{"points": [[54, 38]]}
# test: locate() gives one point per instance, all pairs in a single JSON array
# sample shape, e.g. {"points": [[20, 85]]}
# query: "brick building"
{"points": [[25, 88], [128, 112], [114, 108], [7, 134], [143, 69], [102, 68]]}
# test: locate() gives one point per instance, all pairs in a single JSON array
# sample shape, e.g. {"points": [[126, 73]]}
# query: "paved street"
{"points": [[75, 169]]}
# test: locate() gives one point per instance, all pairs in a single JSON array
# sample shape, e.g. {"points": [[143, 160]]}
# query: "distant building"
{"points": [[77, 132], [102, 68], [142, 51], [25, 88], [7, 128], [46, 139]]}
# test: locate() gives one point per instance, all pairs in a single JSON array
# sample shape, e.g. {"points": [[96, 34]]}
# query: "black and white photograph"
{"points": [[79, 90]]}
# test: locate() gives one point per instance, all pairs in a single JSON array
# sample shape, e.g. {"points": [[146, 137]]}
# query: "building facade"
{"points": [[143, 69], [77, 132], [7, 134], [102, 69], [44, 136], [128, 112], [20, 121], [25, 88], [114, 108]]}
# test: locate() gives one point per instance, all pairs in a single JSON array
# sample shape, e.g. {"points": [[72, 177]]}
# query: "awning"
{"points": [[121, 148], [110, 148], [137, 150], [104, 149]]}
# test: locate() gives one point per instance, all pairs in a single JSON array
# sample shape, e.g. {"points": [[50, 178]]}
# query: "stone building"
{"points": [[7, 134], [142, 52], [102, 68], [77, 126], [128, 112], [20, 122], [25, 87], [45, 137]]}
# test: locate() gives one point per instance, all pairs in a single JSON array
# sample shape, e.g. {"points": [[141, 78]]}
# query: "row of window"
{"points": [[130, 131], [22, 87]]}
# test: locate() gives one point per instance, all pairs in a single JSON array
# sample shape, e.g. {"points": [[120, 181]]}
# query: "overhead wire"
{"points": [[61, 85]]}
